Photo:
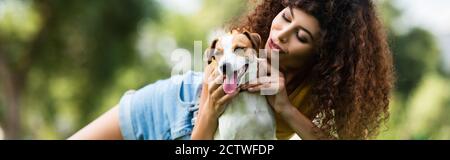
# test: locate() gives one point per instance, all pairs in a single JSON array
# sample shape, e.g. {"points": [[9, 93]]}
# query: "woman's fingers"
{"points": [[212, 75], [257, 82], [259, 87], [208, 72], [218, 93], [266, 86], [265, 82], [250, 85], [227, 97], [214, 84]]}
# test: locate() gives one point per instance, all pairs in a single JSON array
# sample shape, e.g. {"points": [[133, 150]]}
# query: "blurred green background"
{"points": [[65, 62]]}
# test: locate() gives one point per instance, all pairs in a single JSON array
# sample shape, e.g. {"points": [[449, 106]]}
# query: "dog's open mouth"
{"points": [[231, 80]]}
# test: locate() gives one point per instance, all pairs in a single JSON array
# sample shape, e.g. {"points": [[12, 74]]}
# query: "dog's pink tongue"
{"points": [[230, 85]]}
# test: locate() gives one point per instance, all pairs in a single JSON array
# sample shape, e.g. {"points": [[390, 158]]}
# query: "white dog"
{"points": [[248, 116]]}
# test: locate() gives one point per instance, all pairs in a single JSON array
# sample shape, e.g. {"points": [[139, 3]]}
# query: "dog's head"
{"points": [[236, 56]]}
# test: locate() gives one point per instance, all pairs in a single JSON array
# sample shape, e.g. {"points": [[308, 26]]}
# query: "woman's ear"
{"points": [[254, 38], [210, 52]]}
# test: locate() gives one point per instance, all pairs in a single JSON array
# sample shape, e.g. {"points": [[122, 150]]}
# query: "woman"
{"points": [[336, 73]]}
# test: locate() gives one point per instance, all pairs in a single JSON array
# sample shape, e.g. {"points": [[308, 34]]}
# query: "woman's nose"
{"points": [[283, 34]]}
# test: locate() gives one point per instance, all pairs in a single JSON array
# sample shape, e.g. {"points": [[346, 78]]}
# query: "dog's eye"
{"points": [[239, 50]]}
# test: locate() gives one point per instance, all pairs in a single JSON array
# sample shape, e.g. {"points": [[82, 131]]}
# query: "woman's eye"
{"points": [[301, 38]]}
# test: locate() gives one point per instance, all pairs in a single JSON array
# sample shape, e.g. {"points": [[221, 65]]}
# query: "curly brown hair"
{"points": [[352, 69]]}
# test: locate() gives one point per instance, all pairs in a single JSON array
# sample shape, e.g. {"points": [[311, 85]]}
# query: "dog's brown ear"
{"points": [[209, 53], [254, 38]]}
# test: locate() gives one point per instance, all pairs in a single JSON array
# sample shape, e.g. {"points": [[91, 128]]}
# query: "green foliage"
{"points": [[71, 60], [415, 54], [419, 107], [74, 53]]}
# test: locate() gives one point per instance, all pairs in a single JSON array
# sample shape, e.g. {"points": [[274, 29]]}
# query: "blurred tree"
{"points": [[85, 40], [415, 51], [418, 106]]}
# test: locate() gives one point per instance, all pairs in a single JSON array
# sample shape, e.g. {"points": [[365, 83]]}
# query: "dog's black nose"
{"points": [[225, 67]]}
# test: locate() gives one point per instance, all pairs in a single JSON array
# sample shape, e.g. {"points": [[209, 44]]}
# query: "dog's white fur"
{"points": [[248, 116]]}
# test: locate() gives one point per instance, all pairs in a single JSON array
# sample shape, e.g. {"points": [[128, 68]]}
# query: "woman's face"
{"points": [[293, 34]]}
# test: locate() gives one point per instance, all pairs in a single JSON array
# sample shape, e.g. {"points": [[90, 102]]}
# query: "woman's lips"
{"points": [[272, 45]]}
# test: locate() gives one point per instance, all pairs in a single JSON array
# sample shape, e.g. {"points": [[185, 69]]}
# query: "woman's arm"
{"points": [[106, 127], [301, 124], [206, 124], [205, 127]]}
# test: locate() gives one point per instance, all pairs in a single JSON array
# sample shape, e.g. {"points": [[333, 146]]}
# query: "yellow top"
{"points": [[297, 98]]}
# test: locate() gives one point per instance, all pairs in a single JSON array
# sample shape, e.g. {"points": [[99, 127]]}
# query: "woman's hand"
{"points": [[213, 102], [274, 85], [216, 98]]}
